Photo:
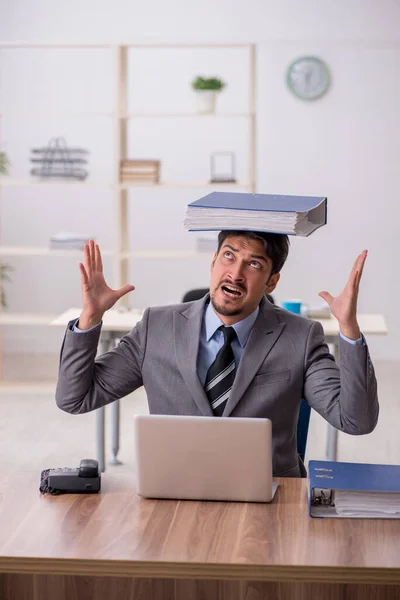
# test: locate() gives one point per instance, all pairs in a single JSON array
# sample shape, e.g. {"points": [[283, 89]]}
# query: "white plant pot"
{"points": [[206, 101]]}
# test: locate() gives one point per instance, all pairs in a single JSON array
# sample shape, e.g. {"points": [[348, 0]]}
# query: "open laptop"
{"points": [[204, 458]]}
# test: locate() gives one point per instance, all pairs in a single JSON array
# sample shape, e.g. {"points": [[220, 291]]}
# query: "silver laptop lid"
{"points": [[203, 458]]}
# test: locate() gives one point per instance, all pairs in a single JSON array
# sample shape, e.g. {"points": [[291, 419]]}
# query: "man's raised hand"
{"points": [[344, 306], [97, 296]]}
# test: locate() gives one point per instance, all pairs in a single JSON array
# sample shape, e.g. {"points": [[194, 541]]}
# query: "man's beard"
{"points": [[225, 310]]}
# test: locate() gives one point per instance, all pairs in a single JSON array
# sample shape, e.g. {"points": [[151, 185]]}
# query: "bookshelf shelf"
{"points": [[163, 254], [185, 184], [8, 182], [115, 46], [43, 251], [52, 114], [5, 182], [187, 116]]}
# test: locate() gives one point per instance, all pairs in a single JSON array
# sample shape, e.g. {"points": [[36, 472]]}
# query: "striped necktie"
{"points": [[221, 373]]}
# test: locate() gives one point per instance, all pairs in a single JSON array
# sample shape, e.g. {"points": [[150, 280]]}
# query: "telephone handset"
{"points": [[84, 480], [88, 467]]}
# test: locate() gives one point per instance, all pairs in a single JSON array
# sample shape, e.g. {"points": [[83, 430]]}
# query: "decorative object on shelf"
{"points": [[140, 171], [4, 276], [4, 163], [308, 77], [206, 93], [57, 160], [222, 166], [69, 241]]}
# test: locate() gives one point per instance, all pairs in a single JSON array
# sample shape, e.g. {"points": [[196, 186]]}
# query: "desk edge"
{"points": [[173, 570]]}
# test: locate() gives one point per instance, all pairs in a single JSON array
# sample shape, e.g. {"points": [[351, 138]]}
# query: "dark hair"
{"points": [[276, 245]]}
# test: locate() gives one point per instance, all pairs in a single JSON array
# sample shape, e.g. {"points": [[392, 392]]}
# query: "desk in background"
{"points": [[117, 545], [117, 323]]}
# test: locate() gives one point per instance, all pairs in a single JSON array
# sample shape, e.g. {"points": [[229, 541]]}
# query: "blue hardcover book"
{"points": [[293, 215], [354, 490]]}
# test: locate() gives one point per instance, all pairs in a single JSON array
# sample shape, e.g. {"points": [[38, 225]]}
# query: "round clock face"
{"points": [[308, 77]]}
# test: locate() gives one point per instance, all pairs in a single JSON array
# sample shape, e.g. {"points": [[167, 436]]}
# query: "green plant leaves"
{"points": [[4, 276], [4, 163], [212, 83]]}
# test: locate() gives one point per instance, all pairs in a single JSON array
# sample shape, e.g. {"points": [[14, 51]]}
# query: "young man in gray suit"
{"points": [[261, 363]]}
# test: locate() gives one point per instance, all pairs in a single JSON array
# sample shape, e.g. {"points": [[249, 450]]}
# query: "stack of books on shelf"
{"points": [[140, 171], [69, 241]]}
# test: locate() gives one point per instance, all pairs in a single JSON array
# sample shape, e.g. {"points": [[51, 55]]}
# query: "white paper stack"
{"points": [[354, 490], [69, 241], [349, 503]]}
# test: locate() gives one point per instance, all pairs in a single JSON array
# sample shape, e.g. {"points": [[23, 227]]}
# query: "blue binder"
{"points": [[221, 210], [264, 202], [370, 481]]}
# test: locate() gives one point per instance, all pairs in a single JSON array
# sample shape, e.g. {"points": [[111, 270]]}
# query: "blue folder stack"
{"points": [[293, 215], [354, 490]]}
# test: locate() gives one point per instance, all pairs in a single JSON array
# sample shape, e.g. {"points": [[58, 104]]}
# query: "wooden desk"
{"points": [[116, 323], [117, 545]]}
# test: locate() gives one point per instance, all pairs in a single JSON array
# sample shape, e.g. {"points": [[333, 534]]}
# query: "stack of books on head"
{"points": [[140, 171], [69, 241], [293, 215]]}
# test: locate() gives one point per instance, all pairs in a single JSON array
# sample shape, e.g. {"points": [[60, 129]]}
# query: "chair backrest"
{"points": [[302, 428], [192, 295]]}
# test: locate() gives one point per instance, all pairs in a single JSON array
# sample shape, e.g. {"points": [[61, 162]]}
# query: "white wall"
{"points": [[345, 145]]}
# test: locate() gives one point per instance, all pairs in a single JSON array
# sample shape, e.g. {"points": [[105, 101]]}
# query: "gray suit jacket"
{"points": [[285, 359]]}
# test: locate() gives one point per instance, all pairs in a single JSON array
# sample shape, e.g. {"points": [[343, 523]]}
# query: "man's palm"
{"points": [[344, 306], [97, 296]]}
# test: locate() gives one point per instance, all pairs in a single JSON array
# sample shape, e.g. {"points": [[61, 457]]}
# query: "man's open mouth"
{"points": [[232, 291]]}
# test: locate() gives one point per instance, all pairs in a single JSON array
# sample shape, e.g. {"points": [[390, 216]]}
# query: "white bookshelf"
{"points": [[121, 253]]}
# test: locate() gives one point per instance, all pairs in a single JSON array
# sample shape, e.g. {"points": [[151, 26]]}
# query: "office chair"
{"points": [[303, 423], [196, 294]]}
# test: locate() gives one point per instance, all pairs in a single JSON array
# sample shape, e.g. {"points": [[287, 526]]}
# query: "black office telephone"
{"points": [[84, 480]]}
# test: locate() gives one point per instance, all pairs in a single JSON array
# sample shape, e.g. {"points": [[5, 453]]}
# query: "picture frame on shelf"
{"points": [[223, 167]]}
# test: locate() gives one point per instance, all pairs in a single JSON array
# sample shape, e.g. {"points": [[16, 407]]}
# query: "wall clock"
{"points": [[308, 77]]}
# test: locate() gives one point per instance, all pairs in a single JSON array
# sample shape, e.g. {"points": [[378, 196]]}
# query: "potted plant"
{"points": [[4, 163], [206, 92], [4, 268]]}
